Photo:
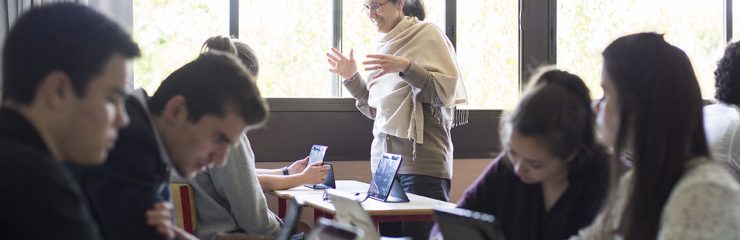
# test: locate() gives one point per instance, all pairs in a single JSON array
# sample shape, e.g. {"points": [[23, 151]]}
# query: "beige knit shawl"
{"points": [[399, 112]]}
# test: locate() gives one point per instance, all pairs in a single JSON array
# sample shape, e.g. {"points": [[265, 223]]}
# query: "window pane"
{"points": [[170, 34], [360, 34], [488, 51], [291, 39], [586, 27]]}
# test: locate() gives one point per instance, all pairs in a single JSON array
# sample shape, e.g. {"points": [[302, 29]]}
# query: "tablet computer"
{"points": [[456, 222], [327, 229], [348, 210], [317, 155], [384, 186], [290, 221]]}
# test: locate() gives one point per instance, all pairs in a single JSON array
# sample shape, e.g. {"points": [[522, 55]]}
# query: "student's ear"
{"points": [[175, 109], [55, 90]]}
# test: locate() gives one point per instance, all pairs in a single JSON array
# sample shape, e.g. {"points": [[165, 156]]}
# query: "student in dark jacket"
{"points": [[187, 125], [63, 90], [552, 178]]}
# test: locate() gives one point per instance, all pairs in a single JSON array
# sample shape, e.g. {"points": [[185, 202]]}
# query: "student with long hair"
{"points": [[552, 177], [721, 119], [652, 112]]}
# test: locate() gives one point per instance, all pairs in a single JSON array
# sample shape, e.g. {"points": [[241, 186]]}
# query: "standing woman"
{"points": [[652, 111], [411, 94]]}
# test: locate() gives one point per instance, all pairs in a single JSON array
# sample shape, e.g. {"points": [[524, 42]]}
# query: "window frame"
{"points": [[286, 139], [281, 141]]}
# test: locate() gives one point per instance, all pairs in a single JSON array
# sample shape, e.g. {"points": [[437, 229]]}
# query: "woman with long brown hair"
{"points": [[651, 114], [552, 177]]}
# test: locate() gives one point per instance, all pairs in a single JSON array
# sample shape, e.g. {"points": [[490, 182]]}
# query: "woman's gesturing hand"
{"points": [[386, 64], [340, 64]]}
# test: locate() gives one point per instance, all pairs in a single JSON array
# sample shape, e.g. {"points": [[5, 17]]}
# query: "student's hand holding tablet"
{"points": [[315, 173], [297, 166]]}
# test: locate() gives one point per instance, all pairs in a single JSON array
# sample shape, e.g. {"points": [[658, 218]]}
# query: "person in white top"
{"points": [[721, 119], [652, 112]]}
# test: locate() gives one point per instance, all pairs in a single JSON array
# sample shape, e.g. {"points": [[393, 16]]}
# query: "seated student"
{"points": [[721, 119], [64, 79], [552, 178], [187, 125], [229, 199], [652, 110]]}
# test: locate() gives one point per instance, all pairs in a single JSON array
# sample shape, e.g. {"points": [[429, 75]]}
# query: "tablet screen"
{"points": [[473, 225], [384, 174], [317, 154]]}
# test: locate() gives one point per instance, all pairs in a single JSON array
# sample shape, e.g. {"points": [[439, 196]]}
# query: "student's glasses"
{"points": [[375, 6]]}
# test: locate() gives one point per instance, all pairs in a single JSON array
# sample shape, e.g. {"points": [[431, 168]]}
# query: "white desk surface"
{"points": [[418, 205]]}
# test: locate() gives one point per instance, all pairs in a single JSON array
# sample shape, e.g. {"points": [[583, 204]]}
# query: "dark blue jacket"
{"points": [[40, 200]]}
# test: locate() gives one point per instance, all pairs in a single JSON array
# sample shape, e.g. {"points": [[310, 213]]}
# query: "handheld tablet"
{"points": [[384, 186], [317, 155], [456, 222]]}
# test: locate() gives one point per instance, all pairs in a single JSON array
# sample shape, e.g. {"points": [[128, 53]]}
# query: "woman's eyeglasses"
{"points": [[374, 6]]}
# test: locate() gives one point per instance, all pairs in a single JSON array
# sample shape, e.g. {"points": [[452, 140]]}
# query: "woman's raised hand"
{"points": [[340, 64], [386, 64]]}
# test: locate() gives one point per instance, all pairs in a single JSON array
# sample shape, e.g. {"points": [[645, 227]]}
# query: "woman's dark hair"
{"points": [[556, 110], [660, 100], [727, 76], [240, 49], [413, 8]]}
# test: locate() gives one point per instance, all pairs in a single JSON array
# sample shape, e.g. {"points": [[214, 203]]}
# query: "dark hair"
{"points": [[727, 75], [413, 8], [60, 37], [556, 110], [214, 84], [239, 48], [658, 92]]}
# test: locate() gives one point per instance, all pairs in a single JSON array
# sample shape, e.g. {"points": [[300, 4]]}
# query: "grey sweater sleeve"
{"points": [[358, 89], [237, 183]]}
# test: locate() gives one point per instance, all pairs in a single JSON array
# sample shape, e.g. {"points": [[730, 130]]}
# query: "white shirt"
{"points": [[723, 135], [704, 204]]}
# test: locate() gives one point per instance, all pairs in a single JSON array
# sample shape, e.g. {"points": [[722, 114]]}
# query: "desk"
{"points": [[350, 186], [419, 208]]}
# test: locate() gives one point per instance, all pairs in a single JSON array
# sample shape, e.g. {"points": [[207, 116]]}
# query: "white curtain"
{"points": [[120, 11]]}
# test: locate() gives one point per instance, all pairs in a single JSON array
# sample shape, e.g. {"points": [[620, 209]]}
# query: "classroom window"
{"points": [[488, 52], [170, 34], [291, 50], [586, 27], [291, 39]]}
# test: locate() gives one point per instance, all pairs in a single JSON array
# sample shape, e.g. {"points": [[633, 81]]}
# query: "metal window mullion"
{"points": [[451, 21], [234, 18], [728, 21], [537, 35], [336, 83]]}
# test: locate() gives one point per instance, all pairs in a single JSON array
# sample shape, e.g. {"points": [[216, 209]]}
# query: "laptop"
{"points": [[327, 229], [385, 186], [456, 222], [348, 210], [317, 154], [290, 222]]}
